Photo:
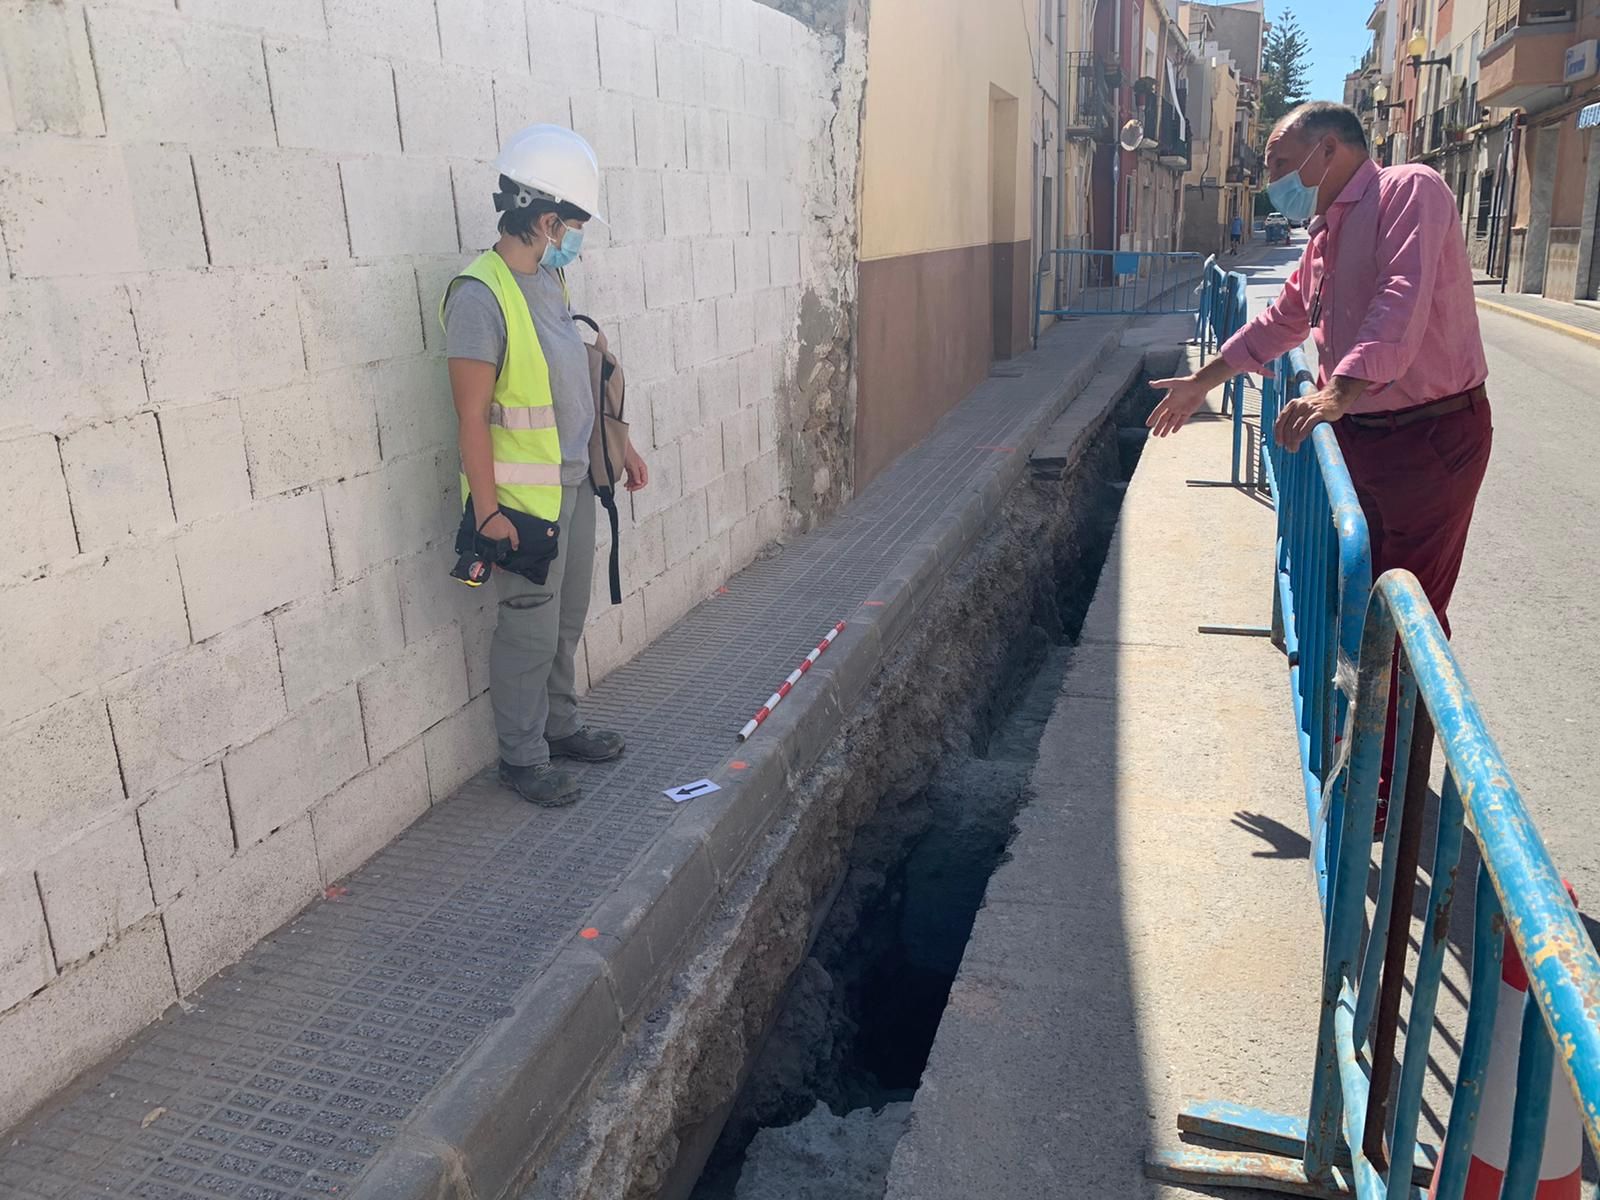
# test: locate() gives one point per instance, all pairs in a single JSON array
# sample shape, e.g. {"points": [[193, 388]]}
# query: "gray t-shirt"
{"points": [[475, 328]]}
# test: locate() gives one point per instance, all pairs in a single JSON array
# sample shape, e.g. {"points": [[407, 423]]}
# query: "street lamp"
{"points": [[1380, 93], [1416, 51]]}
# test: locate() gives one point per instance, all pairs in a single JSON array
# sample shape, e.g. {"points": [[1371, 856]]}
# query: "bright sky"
{"points": [[1338, 36]]}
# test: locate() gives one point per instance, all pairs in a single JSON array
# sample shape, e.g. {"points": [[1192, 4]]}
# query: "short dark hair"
{"points": [[1318, 118], [518, 220]]}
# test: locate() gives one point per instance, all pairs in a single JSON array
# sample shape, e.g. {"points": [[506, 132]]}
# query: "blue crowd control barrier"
{"points": [[1222, 313], [1322, 574], [1360, 1137], [1118, 282]]}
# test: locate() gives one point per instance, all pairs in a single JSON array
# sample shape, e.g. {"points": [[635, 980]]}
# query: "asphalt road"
{"points": [[1527, 609]]}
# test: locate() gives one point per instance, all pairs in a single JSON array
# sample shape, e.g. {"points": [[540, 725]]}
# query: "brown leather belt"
{"points": [[1422, 412]]}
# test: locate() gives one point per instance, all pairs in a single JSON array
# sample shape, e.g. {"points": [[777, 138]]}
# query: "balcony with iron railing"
{"points": [[1087, 105]]}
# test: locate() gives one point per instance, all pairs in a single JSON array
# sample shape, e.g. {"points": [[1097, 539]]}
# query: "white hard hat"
{"points": [[555, 162]]}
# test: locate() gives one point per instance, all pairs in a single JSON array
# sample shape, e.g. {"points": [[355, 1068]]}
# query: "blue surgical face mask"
{"points": [[563, 255], [1292, 196]]}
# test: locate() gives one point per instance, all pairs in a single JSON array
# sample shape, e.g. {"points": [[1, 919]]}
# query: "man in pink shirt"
{"points": [[1384, 289]]}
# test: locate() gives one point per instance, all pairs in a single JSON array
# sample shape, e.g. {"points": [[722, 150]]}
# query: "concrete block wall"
{"points": [[233, 666]]}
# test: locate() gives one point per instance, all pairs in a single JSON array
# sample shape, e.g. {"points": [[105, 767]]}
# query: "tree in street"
{"points": [[1284, 70]]}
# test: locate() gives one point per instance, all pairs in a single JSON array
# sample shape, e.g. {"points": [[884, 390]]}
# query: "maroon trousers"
{"points": [[1417, 485]]}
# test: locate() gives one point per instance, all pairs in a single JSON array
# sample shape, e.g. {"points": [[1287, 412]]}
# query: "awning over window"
{"points": [[1589, 116]]}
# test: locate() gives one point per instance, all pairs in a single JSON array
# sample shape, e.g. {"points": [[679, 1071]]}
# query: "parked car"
{"points": [[1277, 229]]}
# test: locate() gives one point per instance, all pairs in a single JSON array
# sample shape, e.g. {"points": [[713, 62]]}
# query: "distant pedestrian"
{"points": [[1235, 232], [1384, 289]]}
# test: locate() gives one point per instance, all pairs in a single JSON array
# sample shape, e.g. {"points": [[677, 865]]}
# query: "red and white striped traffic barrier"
{"points": [[788, 684], [1560, 1170]]}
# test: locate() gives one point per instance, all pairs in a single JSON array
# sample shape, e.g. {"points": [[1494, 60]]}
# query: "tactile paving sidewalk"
{"points": [[286, 1074]]}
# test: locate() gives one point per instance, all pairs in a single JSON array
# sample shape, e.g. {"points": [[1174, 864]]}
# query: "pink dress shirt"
{"points": [[1396, 306]]}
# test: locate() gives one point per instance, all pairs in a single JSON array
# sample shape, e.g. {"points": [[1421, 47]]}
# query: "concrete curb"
{"points": [[501, 1110], [1571, 331]]}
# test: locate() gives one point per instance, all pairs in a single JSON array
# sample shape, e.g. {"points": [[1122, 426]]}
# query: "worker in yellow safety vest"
{"points": [[519, 374]]}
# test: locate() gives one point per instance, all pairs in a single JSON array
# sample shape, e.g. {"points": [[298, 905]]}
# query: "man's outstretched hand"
{"points": [[1185, 395]]}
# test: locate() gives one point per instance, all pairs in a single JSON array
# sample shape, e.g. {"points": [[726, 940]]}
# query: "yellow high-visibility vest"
{"points": [[522, 418]]}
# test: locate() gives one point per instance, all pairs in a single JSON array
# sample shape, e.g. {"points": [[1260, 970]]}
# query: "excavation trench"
{"points": [[795, 1042]]}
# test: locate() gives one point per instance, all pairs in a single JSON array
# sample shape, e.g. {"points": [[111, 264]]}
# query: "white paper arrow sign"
{"points": [[689, 791]]}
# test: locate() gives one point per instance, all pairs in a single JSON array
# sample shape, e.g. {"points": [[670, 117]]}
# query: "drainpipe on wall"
{"points": [[1518, 124]]}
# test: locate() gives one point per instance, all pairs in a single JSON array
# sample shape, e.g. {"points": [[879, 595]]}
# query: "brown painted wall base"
{"points": [[929, 325]]}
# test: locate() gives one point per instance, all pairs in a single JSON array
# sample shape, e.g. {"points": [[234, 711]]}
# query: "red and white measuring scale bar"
{"points": [[788, 684]]}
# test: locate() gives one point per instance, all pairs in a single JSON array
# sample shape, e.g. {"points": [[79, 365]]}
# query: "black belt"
{"points": [[1442, 407]]}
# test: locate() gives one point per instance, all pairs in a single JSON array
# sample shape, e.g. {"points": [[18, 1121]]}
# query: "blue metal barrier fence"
{"points": [[1118, 282], [1333, 1152], [1222, 312], [1322, 572]]}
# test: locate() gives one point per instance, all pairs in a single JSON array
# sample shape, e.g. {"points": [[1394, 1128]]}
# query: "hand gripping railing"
{"points": [[1322, 574], [1354, 1140]]}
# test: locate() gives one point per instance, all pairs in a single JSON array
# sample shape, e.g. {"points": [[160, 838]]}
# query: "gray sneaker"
{"points": [[544, 785], [589, 745]]}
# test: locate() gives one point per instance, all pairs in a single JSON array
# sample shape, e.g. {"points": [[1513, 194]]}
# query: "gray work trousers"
{"points": [[533, 682]]}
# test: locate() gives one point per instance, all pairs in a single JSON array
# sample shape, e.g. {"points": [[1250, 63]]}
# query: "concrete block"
{"points": [[669, 596], [757, 376], [706, 140], [445, 110], [223, 915], [195, 704], [634, 207], [741, 441], [644, 346], [399, 206], [413, 691], [127, 611], [644, 553], [186, 831], [686, 200], [719, 391], [723, 73], [327, 98], [627, 58], [165, 78], [776, 33], [736, 324], [576, 69], [763, 91], [385, 514], [430, 599], [269, 206], [48, 70], [474, 185], [70, 354], [274, 779], [60, 774], [326, 641], [694, 336], [412, 397], [658, 16], [747, 144], [94, 888], [616, 635], [752, 263], [166, 206], [730, 204], [406, 29], [51, 191], [247, 563], [606, 120], [521, 100], [433, 276], [458, 747], [713, 268], [309, 432], [370, 811], [701, 19], [484, 35], [206, 465], [785, 249], [359, 314], [49, 1039], [216, 331], [659, 135], [477, 634], [35, 517], [701, 454], [769, 427], [674, 409], [680, 76], [117, 476], [8, 117], [763, 478], [666, 485], [615, 282], [766, 205], [741, 31], [25, 962], [683, 526], [773, 322], [668, 273], [725, 503], [297, 18]]}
